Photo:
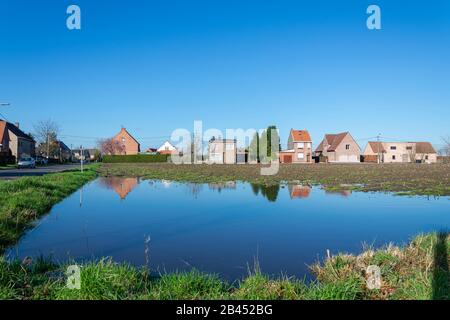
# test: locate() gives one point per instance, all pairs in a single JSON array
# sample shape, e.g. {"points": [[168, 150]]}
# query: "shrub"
{"points": [[137, 158]]}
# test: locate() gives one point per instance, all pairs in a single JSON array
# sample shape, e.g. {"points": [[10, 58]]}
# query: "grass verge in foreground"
{"points": [[404, 179], [417, 271], [24, 200]]}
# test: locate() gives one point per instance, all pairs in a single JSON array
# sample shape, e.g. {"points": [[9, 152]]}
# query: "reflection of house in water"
{"points": [[298, 191], [219, 186], [344, 193], [122, 186], [166, 183]]}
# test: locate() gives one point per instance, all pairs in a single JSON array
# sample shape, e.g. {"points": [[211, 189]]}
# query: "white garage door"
{"points": [[348, 158]]}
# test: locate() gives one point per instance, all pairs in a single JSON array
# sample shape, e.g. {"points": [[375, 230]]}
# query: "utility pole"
{"points": [[48, 145], [81, 157], [378, 147]]}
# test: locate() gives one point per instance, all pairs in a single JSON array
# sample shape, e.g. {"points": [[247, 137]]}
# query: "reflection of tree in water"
{"points": [[270, 192], [255, 188]]}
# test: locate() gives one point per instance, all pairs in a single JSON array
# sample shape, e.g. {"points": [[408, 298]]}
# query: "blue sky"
{"points": [[154, 66]]}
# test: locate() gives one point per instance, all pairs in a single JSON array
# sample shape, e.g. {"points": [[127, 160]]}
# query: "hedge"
{"points": [[138, 158]]}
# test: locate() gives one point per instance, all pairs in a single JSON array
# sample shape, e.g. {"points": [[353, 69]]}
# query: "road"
{"points": [[8, 174]]}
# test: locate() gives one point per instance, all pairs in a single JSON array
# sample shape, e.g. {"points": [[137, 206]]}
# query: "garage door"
{"points": [[287, 159], [348, 158]]}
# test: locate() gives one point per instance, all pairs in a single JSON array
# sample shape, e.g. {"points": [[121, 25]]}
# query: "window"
{"points": [[426, 157], [230, 146], [123, 140], [300, 156], [409, 148], [300, 145], [393, 148], [347, 147], [393, 157]]}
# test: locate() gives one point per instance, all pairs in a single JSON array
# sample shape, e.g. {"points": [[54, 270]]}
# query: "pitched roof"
{"points": [[333, 140], [375, 145], [17, 132], [300, 135], [129, 134], [424, 147], [63, 146]]}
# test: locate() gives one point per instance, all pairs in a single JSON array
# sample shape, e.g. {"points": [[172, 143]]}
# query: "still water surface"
{"points": [[222, 228]]}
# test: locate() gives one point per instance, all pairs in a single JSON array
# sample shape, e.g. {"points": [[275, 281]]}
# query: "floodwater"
{"points": [[223, 228]]}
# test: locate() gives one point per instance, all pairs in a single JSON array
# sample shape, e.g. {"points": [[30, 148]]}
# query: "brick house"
{"points": [[340, 147], [299, 148], [400, 152], [130, 144], [4, 138], [16, 142]]}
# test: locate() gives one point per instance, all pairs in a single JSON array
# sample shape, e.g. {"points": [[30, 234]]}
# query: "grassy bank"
{"points": [[24, 200], [418, 271], [415, 179]]}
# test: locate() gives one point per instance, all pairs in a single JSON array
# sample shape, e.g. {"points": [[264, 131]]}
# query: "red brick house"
{"points": [[130, 144], [299, 148]]}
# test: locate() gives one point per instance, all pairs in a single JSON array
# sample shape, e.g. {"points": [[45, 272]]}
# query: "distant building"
{"points": [[299, 148], [78, 155], [128, 142], [400, 152], [19, 143], [222, 151], [340, 147], [167, 148], [64, 152], [151, 151]]}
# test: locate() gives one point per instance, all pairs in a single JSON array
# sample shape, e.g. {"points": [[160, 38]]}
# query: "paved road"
{"points": [[8, 174]]}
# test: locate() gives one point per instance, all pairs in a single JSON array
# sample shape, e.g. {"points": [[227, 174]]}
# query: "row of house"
{"points": [[334, 148], [343, 148]]}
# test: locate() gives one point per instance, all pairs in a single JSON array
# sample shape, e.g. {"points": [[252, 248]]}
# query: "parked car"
{"points": [[41, 160], [26, 163]]}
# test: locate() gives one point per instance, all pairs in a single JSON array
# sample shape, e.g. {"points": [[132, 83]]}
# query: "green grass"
{"points": [[24, 200], [416, 271]]}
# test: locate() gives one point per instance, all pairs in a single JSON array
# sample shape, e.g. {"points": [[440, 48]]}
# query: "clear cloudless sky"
{"points": [[154, 66]]}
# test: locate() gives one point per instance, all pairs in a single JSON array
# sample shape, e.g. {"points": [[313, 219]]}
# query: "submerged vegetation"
{"points": [[418, 271], [24, 200], [403, 179]]}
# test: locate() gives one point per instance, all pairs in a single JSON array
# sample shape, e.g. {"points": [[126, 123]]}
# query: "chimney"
{"points": [[17, 124]]}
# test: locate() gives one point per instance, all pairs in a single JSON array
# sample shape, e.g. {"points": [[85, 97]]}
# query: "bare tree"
{"points": [[111, 147], [46, 134], [446, 147]]}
